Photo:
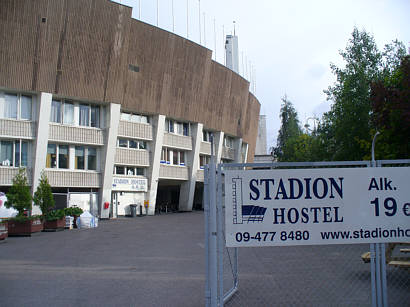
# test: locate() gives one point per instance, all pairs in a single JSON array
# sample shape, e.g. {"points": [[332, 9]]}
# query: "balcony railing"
{"points": [[7, 174], [205, 148], [17, 128], [177, 141], [135, 130], [173, 172], [70, 134], [228, 153], [71, 178], [132, 157], [200, 175]]}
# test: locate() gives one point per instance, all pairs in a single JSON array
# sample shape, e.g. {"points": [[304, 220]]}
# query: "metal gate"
{"points": [[342, 275]]}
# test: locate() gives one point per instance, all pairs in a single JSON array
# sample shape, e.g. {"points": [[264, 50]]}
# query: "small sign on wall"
{"points": [[129, 184]]}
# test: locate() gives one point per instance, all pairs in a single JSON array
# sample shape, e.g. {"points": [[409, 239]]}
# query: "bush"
{"points": [[43, 197], [73, 211], [19, 195]]}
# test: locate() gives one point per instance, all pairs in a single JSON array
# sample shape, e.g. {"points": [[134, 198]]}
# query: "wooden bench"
{"points": [[398, 261]]}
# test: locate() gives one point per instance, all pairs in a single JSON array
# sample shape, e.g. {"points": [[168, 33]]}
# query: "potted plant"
{"points": [[19, 197], [74, 212], [43, 197], [54, 220]]}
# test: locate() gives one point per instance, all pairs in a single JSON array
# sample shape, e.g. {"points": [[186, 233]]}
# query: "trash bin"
{"points": [[140, 211], [133, 210]]}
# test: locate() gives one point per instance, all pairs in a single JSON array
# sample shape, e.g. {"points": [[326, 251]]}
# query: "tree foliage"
{"points": [[19, 195], [371, 93], [391, 112], [43, 197], [290, 129]]}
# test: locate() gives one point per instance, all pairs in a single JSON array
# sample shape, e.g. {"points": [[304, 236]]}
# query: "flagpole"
{"points": [[173, 19], [199, 15], [187, 20], [157, 14]]}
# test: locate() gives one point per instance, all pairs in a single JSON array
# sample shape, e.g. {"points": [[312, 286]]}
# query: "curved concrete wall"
{"points": [[84, 48]]}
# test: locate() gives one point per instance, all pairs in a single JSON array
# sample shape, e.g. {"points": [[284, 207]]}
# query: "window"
{"points": [[84, 119], [206, 135], [6, 153], [51, 159], [204, 160], [15, 106], [63, 156], [180, 128], [92, 158], [133, 144], [95, 116], [172, 156], [135, 118], [13, 153], [228, 141], [62, 112], [68, 115], [120, 170], [129, 170], [79, 157]]}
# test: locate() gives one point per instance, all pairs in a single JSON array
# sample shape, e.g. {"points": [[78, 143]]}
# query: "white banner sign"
{"points": [[129, 184], [317, 206]]}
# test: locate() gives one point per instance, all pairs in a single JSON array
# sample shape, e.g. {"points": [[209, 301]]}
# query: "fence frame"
{"points": [[215, 234]]}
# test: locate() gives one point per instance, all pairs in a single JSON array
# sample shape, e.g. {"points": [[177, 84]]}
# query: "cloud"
{"points": [[316, 71]]}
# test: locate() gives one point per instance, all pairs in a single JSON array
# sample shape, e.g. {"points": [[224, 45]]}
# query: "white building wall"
{"points": [[41, 141], [158, 124], [260, 148], [108, 158], [232, 53]]}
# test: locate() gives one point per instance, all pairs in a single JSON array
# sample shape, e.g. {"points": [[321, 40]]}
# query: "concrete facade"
{"points": [[119, 108]]}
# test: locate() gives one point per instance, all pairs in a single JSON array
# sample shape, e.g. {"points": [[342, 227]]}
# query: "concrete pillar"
{"points": [[158, 126], [41, 141], [108, 158], [238, 150], [218, 141], [187, 191]]}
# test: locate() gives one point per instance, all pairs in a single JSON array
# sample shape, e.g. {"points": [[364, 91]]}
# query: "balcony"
{"points": [[132, 157], [7, 174], [70, 178], [205, 148], [228, 153], [135, 130], [78, 135], [173, 172], [17, 128], [200, 175], [177, 141]]}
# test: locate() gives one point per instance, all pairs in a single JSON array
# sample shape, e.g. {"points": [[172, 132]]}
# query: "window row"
{"points": [[206, 135], [136, 118], [129, 170], [228, 141], [70, 113], [14, 153], [176, 127], [129, 143], [204, 160], [15, 106], [83, 157], [172, 156]]}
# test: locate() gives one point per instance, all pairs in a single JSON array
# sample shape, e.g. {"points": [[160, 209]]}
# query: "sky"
{"points": [[285, 47]]}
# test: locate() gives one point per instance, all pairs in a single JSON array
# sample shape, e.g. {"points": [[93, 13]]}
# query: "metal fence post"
{"points": [[206, 224]]}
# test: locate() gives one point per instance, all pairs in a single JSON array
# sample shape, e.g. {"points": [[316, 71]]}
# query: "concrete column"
{"points": [[219, 141], [187, 191], [41, 141], [238, 150], [108, 158], [158, 125]]}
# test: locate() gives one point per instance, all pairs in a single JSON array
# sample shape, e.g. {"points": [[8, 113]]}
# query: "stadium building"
{"points": [[113, 110]]}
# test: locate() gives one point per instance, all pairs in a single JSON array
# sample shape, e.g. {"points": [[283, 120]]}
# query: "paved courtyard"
{"points": [[159, 261]]}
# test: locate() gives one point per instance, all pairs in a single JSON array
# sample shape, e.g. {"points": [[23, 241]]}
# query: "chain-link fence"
{"points": [[320, 275]]}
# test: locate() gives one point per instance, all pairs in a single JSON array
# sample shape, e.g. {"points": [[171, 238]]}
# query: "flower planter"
{"points": [[3, 230], [24, 228], [54, 225]]}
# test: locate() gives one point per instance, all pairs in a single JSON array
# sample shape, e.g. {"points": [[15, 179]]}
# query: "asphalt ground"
{"points": [[159, 261]]}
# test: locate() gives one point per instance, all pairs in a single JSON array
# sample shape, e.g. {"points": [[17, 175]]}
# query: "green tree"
{"points": [[43, 197], [289, 129], [19, 196], [391, 111], [347, 123]]}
